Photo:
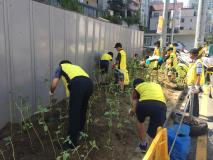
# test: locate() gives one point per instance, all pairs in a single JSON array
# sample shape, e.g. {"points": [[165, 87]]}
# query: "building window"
{"points": [[195, 13], [181, 28], [191, 20], [182, 20], [156, 15], [168, 39], [147, 40]]}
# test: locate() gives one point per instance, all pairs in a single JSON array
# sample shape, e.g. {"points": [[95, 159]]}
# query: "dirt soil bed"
{"points": [[115, 141], [110, 133]]}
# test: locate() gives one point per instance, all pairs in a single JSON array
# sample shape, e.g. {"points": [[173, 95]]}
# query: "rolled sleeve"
{"points": [[58, 72], [199, 68]]}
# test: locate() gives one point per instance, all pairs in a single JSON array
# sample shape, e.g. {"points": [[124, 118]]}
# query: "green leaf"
{"points": [[59, 158], [66, 156], [45, 128]]}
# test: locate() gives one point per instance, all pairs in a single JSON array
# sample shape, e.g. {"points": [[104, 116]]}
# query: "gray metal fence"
{"points": [[34, 37]]}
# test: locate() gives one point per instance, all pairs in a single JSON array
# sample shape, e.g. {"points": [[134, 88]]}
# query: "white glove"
{"points": [[50, 93], [195, 89]]}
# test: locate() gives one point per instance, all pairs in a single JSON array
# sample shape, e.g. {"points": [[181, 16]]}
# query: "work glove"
{"points": [[196, 89], [131, 112]]}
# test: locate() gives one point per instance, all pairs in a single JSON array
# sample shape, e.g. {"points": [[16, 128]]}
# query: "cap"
{"points": [[170, 49], [137, 81], [118, 45]]}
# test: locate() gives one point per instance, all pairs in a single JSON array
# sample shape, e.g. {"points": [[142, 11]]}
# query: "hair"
{"points": [[65, 61], [117, 45], [110, 53], [170, 49], [136, 55], [175, 44], [194, 51], [168, 43], [157, 43], [137, 81]]}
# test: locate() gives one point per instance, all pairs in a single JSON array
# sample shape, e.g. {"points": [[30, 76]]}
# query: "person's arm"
{"points": [[54, 85], [134, 101], [118, 59], [55, 80]]}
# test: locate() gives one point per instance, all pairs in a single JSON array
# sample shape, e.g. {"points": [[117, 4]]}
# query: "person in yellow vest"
{"points": [[195, 80], [104, 65], [157, 49], [171, 62], [148, 101], [79, 88], [121, 72]]}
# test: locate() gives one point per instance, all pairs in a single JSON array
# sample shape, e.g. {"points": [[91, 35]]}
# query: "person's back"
{"points": [[150, 91]]}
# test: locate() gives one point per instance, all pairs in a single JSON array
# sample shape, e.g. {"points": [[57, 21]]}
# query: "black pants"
{"points": [[195, 105], [81, 89], [156, 110], [104, 66]]}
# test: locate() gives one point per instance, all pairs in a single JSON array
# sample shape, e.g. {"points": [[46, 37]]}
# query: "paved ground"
{"points": [[206, 110], [206, 113]]}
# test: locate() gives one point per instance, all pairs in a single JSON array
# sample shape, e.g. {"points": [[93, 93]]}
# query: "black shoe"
{"points": [[143, 147]]}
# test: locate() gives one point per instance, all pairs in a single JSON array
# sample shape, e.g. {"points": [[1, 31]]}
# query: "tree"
{"points": [[70, 5]]}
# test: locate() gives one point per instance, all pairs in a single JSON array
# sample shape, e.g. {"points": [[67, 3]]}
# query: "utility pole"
{"points": [[173, 20], [201, 17], [165, 17]]}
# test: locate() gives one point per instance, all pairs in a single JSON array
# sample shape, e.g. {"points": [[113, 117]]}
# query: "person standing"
{"points": [[195, 80], [121, 73], [79, 88]]}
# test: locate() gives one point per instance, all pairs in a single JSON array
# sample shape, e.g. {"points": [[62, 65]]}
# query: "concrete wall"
{"points": [[35, 37]]}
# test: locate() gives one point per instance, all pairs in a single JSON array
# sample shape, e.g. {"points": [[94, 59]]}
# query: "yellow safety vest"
{"points": [[157, 51], [192, 75], [106, 57], [150, 91], [123, 60], [70, 71], [174, 49]]}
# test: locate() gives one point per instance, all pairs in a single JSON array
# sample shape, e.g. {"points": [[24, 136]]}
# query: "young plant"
{"points": [[41, 111], [2, 154], [110, 115], [8, 140]]}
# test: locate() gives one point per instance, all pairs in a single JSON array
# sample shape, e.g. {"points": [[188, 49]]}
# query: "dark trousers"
{"points": [[81, 89], [195, 106]]}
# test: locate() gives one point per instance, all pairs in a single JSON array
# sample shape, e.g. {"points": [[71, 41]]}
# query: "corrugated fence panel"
{"points": [[102, 37], [19, 22], [71, 35], [58, 41], [89, 42], [4, 88], [35, 37], [42, 50], [81, 40]]}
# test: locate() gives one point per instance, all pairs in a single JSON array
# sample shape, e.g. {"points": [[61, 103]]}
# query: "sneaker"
{"points": [[143, 147]]}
